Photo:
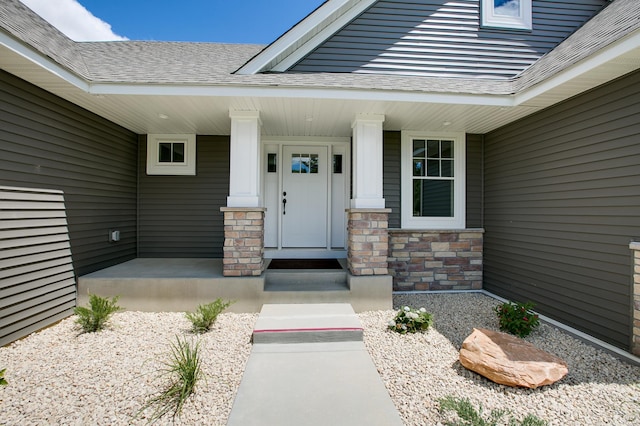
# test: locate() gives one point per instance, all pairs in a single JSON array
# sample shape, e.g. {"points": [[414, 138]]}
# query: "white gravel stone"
{"points": [[59, 376]]}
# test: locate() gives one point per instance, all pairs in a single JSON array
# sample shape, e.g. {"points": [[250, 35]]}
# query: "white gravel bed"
{"points": [[58, 376], [419, 369], [61, 377]]}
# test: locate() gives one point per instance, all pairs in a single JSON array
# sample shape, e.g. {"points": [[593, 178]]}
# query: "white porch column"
{"points": [[367, 162], [244, 174]]}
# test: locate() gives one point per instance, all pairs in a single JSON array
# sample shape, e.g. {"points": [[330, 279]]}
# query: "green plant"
{"points": [[468, 415], [409, 320], [95, 317], [184, 370], [517, 318], [3, 382], [206, 315]]}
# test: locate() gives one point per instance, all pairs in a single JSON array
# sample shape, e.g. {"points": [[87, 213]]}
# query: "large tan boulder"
{"points": [[509, 360]]}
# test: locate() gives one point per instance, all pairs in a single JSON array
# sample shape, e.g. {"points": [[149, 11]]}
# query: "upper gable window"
{"points": [[510, 14], [171, 154]]}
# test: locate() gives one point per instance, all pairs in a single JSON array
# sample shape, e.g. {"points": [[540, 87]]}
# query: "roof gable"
{"points": [[443, 38], [438, 38]]}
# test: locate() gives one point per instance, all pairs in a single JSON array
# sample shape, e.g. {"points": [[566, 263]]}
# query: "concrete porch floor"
{"points": [[175, 285]]}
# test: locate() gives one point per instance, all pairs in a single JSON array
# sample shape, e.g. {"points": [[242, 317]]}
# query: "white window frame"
{"points": [[492, 20], [155, 167], [458, 221]]}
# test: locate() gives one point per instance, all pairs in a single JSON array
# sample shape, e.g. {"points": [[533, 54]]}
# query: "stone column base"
{"points": [[368, 241], [243, 241]]}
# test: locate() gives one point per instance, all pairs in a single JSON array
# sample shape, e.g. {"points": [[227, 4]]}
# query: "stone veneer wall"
{"points": [[635, 344], [368, 241], [243, 241], [435, 259]]}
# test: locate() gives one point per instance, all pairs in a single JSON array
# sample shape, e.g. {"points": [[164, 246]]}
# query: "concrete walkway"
{"points": [[309, 366]]}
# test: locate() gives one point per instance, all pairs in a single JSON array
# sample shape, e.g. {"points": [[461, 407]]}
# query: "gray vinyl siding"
{"points": [[37, 284], [391, 186], [49, 143], [562, 196], [391, 176], [179, 216], [474, 181], [444, 38]]}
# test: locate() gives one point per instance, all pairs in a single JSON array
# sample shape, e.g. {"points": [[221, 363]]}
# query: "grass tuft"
{"points": [[95, 317], [184, 370], [204, 317], [3, 382], [468, 415]]}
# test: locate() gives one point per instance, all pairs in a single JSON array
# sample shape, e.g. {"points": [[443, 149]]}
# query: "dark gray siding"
{"points": [[392, 178], [444, 38], [179, 216], [474, 181], [46, 142], [562, 196], [37, 285]]}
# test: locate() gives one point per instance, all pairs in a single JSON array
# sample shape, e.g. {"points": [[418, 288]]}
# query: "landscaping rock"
{"points": [[509, 360]]}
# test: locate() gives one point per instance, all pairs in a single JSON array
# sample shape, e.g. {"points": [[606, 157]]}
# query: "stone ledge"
{"points": [[243, 209], [441, 231], [634, 245]]}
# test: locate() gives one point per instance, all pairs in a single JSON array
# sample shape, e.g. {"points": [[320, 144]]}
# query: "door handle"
{"points": [[284, 204]]}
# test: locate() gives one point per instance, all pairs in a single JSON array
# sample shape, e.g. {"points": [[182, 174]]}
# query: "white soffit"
{"points": [[305, 36]]}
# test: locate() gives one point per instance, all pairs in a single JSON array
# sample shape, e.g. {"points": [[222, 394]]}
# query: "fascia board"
{"points": [[43, 62], [295, 34], [297, 93]]}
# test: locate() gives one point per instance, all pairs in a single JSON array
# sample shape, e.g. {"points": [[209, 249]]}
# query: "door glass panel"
{"points": [[304, 163], [271, 163], [337, 163]]}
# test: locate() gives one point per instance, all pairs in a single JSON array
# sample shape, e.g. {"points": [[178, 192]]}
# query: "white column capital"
{"points": [[375, 118], [247, 114]]}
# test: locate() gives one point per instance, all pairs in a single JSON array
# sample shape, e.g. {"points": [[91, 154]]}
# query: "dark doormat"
{"points": [[304, 264]]}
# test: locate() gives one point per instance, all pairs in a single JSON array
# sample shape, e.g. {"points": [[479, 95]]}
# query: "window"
{"points": [[433, 180], [171, 154], [511, 14]]}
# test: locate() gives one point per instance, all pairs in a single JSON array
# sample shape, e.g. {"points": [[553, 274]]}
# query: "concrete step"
{"points": [[305, 280], [307, 323]]}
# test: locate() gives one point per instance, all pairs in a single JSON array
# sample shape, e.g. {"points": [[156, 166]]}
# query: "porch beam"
{"points": [[367, 162], [244, 162]]}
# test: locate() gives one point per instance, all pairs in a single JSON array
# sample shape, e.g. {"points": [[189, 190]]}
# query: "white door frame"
{"points": [[273, 182]]}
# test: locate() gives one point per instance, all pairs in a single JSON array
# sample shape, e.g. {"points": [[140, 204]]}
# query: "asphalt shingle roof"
{"points": [[147, 62]]}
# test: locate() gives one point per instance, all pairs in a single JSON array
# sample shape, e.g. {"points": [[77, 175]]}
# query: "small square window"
{"points": [[509, 14], [171, 154]]}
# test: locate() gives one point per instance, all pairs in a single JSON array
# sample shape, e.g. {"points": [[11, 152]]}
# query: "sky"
{"points": [[220, 21]]}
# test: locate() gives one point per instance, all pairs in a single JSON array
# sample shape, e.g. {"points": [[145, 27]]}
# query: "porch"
{"points": [[160, 284]]}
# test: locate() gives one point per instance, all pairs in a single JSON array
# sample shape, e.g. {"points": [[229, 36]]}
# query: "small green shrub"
{"points": [[184, 370], [206, 315], [409, 320], [3, 382], [468, 415], [517, 318], [95, 317]]}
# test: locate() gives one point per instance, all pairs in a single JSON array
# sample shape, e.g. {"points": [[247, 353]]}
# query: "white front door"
{"points": [[304, 196]]}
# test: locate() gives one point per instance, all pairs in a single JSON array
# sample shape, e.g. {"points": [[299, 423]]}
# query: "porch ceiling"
{"points": [[301, 111]]}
